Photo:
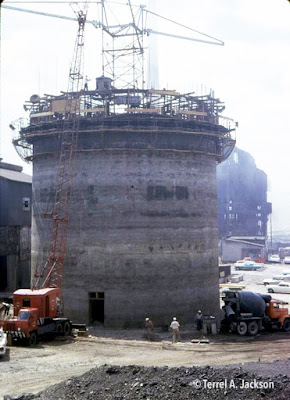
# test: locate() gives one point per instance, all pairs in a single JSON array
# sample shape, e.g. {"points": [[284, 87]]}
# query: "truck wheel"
{"points": [[32, 339], [66, 328], [58, 328], [286, 325], [253, 328], [242, 328]]}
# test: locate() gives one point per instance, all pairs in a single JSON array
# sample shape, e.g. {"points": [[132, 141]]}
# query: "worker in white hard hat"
{"points": [[149, 329], [175, 330], [199, 320]]}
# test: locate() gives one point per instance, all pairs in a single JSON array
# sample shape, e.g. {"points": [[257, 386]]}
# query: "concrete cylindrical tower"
{"points": [[143, 223]]}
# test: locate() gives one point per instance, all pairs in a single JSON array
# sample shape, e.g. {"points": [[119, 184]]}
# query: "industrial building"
{"points": [[143, 234], [243, 209], [124, 213], [15, 228]]}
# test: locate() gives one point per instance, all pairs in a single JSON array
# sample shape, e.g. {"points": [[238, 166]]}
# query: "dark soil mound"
{"points": [[153, 383]]}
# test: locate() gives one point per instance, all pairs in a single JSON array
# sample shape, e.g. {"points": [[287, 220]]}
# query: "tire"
{"points": [[286, 325], [269, 327], [242, 328], [233, 327], [58, 328], [66, 328], [32, 339], [270, 291], [253, 328]]}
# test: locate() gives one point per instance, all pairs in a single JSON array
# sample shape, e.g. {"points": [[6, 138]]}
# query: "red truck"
{"points": [[36, 314]]}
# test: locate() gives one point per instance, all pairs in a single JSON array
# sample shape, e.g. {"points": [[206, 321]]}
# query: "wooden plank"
{"points": [[200, 341], [187, 112], [143, 110], [231, 286], [42, 114], [96, 109], [164, 92]]}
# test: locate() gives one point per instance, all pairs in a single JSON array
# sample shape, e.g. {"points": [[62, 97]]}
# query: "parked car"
{"points": [[273, 281], [282, 287], [247, 265], [287, 260], [274, 258], [286, 273], [3, 342], [285, 277]]}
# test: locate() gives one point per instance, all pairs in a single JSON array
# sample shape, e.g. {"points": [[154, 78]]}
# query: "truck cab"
{"points": [[22, 326], [27, 319], [278, 314], [35, 313]]}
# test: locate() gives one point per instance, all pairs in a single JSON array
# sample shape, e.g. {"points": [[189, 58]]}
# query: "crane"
{"points": [[39, 310], [122, 49], [99, 24], [51, 273]]}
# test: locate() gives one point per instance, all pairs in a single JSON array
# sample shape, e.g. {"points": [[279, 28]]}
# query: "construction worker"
{"points": [[175, 330], [149, 328], [86, 83], [199, 320], [81, 18]]}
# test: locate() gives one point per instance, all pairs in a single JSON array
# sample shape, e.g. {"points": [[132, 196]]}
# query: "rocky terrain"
{"points": [[175, 383]]}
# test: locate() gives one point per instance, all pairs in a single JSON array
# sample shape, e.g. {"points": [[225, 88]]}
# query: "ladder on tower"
{"points": [[51, 273]]}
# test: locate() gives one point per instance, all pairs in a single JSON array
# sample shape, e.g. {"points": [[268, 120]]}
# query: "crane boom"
{"points": [[148, 31], [52, 272]]}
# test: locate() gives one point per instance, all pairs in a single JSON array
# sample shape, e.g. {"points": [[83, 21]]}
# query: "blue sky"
{"points": [[250, 73]]}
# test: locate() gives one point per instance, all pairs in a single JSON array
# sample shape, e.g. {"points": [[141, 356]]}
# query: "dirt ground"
{"points": [[52, 362], [31, 370]]}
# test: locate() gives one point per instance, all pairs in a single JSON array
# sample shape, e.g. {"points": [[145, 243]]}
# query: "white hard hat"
{"points": [[147, 319], [174, 318]]}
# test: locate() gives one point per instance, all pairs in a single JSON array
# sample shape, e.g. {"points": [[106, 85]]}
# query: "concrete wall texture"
{"points": [[143, 231]]}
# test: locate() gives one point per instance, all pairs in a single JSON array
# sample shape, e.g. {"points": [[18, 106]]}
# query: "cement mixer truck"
{"points": [[249, 313]]}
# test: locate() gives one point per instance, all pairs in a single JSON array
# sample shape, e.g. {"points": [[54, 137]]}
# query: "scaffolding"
{"points": [[133, 110]]}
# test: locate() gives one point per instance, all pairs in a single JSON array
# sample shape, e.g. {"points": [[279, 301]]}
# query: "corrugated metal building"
{"points": [[15, 228]]}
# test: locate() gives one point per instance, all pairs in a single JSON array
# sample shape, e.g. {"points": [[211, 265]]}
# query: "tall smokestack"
{"points": [[152, 60]]}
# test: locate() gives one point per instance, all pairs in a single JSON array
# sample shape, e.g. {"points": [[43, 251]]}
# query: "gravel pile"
{"points": [[161, 383]]}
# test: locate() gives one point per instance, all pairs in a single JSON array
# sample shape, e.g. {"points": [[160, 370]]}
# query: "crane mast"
{"points": [[51, 273]]}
